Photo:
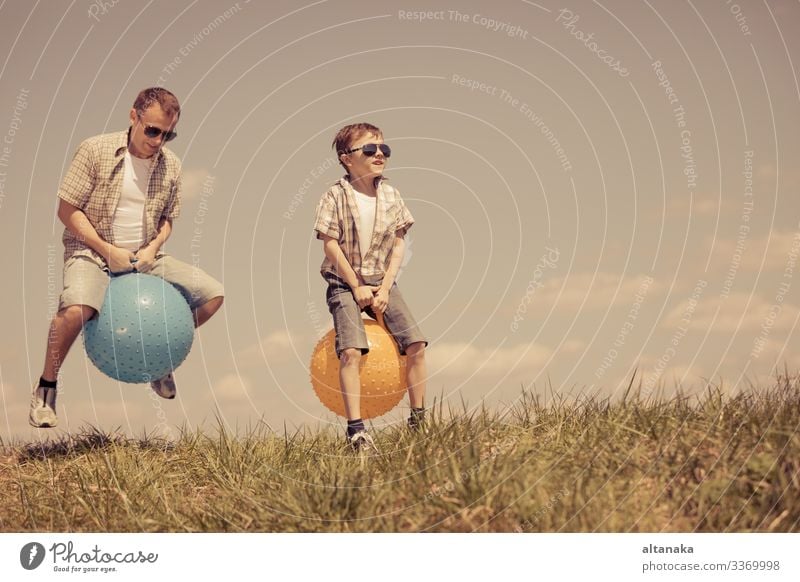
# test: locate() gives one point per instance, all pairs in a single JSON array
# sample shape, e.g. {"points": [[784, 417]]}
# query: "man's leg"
{"points": [[203, 313], [85, 284], [64, 329], [204, 294]]}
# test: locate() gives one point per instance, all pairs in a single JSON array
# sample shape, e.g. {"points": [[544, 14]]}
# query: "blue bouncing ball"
{"points": [[143, 331]]}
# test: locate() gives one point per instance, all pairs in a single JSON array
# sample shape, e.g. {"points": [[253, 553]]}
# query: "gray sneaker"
{"points": [[165, 387], [43, 407]]}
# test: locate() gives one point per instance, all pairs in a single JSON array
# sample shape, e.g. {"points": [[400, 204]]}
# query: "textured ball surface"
{"points": [[382, 370], [144, 330]]}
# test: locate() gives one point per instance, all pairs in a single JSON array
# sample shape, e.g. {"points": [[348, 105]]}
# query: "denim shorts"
{"points": [[350, 327], [86, 281]]}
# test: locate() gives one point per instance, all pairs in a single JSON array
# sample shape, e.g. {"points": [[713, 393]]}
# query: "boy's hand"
{"points": [[363, 295], [381, 299]]}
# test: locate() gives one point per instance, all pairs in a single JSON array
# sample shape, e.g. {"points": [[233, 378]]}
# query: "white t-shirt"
{"points": [[366, 211], [129, 217]]}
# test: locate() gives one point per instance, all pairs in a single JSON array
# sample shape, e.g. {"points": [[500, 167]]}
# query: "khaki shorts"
{"points": [[86, 281], [350, 327]]}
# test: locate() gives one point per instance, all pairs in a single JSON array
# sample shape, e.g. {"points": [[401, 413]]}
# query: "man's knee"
{"points": [[350, 357], [213, 304], [76, 315]]}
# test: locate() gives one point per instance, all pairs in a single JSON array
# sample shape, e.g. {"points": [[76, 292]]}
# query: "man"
{"points": [[117, 202]]}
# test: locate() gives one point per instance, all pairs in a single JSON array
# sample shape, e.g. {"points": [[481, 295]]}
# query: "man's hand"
{"points": [[380, 300], [363, 295], [145, 257], [119, 260]]}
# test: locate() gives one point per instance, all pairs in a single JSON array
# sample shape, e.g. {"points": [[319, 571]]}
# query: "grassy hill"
{"points": [[710, 463]]}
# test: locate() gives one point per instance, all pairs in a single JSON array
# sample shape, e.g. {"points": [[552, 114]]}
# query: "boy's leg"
{"points": [[351, 343], [416, 378], [85, 284], [411, 342], [416, 374], [350, 382]]}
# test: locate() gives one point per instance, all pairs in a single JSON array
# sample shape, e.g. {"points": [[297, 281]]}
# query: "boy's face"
{"points": [[361, 165]]}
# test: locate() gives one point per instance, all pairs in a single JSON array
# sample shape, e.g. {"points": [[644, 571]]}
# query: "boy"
{"points": [[362, 223], [117, 202]]}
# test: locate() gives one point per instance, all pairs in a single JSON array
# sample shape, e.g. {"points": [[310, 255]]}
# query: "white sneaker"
{"points": [[165, 387], [43, 407], [362, 442]]}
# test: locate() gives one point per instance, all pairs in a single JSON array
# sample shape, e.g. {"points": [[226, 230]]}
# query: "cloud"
{"points": [[192, 182], [572, 346], [231, 388], [594, 291], [772, 351], [688, 381], [463, 360], [738, 312], [701, 204], [278, 344], [747, 253]]}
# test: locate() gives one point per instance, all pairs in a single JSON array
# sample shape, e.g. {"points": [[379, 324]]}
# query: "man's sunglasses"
{"points": [[370, 149], [153, 132]]}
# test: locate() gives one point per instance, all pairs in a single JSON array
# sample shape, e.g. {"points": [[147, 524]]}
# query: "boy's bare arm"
{"points": [[381, 299], [398, 250], [361, 292]]}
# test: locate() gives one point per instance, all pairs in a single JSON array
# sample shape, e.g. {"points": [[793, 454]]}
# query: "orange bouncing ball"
{"points": [[382, 372]]}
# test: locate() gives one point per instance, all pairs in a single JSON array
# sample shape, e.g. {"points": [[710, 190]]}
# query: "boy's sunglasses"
{"points": [[153, 132], [370, 149]]}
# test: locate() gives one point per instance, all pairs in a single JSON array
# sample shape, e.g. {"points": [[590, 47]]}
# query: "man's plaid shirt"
{"points": [[338, 217], [93, 184]]}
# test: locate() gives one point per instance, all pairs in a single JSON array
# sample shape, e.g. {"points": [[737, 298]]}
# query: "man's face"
{"points": [[359, 164], [142, 146]]}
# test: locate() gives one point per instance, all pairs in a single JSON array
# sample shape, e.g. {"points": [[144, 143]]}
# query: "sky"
{"points": [[602, 190]]}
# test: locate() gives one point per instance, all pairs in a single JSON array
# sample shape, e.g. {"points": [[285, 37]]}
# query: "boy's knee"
{"points": [[350, 357], [416, 350]]}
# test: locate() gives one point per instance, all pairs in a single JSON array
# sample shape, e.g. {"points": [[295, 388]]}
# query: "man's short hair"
{"points": [[168, 101], [349, 133]]}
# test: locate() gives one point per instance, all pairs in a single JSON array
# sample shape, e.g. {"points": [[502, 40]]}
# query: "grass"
{"points": [[713, 463]]}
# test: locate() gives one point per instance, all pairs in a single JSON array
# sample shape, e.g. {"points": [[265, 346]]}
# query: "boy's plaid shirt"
{"points": [[338, 217], [93, 184]]}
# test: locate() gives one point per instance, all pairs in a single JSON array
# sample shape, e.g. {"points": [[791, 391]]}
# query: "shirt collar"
{"points": [[345, 182]]}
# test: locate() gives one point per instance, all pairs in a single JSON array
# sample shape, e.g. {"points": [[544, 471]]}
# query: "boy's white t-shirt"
{"points": [[129, 217], [366, 211]]}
